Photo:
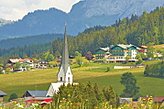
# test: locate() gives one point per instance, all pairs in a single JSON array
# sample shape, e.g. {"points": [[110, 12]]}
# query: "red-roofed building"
{"points": [[158, 99]]}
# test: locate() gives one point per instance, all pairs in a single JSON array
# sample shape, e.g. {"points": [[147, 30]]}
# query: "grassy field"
{"points": [[95, 73], [159, 48]]}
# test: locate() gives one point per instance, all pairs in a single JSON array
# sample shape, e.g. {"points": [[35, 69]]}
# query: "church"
{"points": [[65, 75]]}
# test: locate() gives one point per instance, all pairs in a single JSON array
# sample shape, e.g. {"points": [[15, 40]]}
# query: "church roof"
{"points": [[54, 88], [2, 93], [65, 56]]}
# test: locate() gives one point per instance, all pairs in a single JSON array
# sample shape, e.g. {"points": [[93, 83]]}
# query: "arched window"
{"points": [[61, 79], [68, 79]]}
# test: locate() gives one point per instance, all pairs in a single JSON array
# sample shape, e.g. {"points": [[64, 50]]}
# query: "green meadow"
{"points": [[93, 72]]}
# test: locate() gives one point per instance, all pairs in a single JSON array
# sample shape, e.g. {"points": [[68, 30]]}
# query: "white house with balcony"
{"points": [[121, 52]]}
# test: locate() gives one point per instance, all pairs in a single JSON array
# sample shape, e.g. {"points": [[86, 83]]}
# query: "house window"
{"points": [[61, 79], [68, 79]]}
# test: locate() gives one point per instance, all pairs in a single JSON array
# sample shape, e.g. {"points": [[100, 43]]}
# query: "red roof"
{"points": [[39, 99], [158, 99]]}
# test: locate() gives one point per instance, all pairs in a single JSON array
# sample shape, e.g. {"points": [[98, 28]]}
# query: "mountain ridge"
{"points": [[83, 15]]}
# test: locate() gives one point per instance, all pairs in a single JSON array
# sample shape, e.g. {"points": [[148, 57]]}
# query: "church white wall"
{"points": [[69, 76], [66, 76]]}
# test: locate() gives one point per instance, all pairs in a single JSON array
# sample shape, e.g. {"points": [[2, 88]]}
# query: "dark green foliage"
{"points": [[28, 40], [78, 58], [31, 46], [26, 51], [131, 89], [85, 96], [13, 96], [155, 70], [139, 57]]}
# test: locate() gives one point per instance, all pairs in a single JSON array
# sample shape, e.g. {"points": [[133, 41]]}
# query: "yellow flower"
{"points": [[142, 104]]}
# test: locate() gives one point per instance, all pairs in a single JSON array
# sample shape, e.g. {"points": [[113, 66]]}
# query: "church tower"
{"points": [[65, 74]]}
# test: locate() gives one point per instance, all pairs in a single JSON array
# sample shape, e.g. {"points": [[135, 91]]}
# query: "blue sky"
{"points": [[16, 9]]}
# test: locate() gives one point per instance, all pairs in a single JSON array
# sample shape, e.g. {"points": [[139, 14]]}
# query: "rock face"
{"points": [[83, 15]]}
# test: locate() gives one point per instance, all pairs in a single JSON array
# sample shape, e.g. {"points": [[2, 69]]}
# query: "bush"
{"points": [[13, 96], [155, 70], [85, 97]]}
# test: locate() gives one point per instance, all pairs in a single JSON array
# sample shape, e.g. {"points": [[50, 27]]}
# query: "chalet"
{"points": [[120, 52], [2, 94], [101, 54]]}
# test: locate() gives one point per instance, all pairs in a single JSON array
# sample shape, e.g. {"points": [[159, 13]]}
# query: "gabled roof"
{"points": [[54, 88], [105, 49], [14, 60], [65, 55], [125, 46], [100, 51], [36, 93], [2, 93]]}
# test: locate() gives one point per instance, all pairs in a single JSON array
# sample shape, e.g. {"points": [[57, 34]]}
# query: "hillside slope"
{"points": [[29, 40], [147, 29]]}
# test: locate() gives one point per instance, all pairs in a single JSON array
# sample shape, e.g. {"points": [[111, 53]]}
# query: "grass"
{"points": [[159, 46], [95, 73]]}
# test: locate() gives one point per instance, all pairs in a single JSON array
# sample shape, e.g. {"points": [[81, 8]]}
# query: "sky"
{"points": [[16, 9]]}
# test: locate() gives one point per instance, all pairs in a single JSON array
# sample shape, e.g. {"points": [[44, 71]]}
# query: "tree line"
{"points": [[155, 70], [147, 29]]}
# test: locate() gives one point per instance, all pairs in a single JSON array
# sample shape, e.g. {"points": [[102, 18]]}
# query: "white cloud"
{"points": [[16, 9]]}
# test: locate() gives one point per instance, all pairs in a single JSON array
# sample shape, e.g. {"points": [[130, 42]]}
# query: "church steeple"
{"points": [[65, 74], [65, 56]]}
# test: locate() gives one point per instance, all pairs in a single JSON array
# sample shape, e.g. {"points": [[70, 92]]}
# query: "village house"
{"points": [[36, 96], [101, 54], [143, 49], [119, 53], [24, 64], [122, 53], [2, 94], [35, 93]]}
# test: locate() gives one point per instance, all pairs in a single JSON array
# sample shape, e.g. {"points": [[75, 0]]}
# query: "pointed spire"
{"points": [[65, 56]]}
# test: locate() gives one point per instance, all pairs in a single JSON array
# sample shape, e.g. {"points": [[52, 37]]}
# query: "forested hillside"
{"points": [[85, 14], [28, 41], [145, 30], [26, 51]]}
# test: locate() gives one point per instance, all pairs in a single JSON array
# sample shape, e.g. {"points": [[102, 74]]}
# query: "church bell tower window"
{"points": [[61, 79]]}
